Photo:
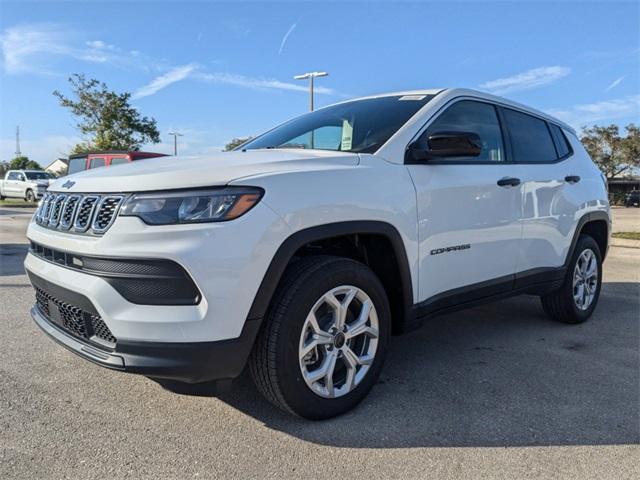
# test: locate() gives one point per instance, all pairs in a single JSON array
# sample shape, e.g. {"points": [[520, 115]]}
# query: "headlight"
{"points": [[193, 206]]}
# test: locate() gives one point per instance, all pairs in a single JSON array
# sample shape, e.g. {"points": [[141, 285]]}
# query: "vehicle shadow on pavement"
{"points": [[11, 258], [497, 375]]}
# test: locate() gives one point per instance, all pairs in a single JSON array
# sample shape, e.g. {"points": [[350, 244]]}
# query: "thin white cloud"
{"points": [[614, 84], [609, 110], [96, 44], [259, 83], [535, 77], [25, 46], [35, 48], [163, 81], [283, 42]]}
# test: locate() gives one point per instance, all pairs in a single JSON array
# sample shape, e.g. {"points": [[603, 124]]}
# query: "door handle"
{"points": [[572, 178], [509, 182]]}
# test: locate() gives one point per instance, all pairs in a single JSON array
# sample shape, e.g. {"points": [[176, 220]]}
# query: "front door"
{"points": [[469, 210]]}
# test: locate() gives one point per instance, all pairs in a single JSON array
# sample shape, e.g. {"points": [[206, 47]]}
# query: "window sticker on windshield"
{"points": [[412, 97], [347, 135]]}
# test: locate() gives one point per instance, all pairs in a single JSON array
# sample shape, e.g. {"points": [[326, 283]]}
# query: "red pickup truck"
{"points": [[86, 161]]}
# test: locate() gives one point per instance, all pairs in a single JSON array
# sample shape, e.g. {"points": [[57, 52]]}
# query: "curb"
{"points": [[621, 242], [19, 205]]}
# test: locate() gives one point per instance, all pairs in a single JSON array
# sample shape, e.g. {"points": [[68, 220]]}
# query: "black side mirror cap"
{"points": [[444, 145]]}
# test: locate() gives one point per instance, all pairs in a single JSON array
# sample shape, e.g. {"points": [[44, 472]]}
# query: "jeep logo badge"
{"points": [[68, 184]]}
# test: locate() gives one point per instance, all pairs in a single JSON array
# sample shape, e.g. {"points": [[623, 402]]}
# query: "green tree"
{"points": [[614, 154], [236, 142], [23, 163], [105, 118]]}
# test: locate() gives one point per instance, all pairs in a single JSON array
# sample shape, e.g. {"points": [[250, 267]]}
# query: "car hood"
{"points": [[166, 173]]}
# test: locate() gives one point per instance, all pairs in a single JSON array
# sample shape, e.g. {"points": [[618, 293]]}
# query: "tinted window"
{"points": [[97, 162], [357, 126], [562, 145], [13, 176], [118, 160], [530, 138], [76, 165], [473, 117], [38, 175]]}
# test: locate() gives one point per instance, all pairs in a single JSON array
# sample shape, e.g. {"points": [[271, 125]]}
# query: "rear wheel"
{"points": [[576, 300], [324, 340]]}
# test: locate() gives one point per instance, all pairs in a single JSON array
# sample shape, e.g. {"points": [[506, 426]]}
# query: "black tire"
{"points": [[560, 304], [274, 361], [30, 196]]}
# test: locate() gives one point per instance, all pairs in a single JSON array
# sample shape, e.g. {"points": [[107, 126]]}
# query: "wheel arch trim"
{"points": [[598, 215], [295, 241]]}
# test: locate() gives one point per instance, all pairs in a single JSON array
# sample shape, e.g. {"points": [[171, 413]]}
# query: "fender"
{"points": [[587, 218], [322, 232]]}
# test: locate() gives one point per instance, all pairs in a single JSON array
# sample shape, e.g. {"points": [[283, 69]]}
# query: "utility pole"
{"points": [[175, 142], [18, 152], [311, 76]]}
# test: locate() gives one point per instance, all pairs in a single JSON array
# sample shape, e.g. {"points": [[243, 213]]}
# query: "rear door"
{"points": [[543, 162], [13, 184], [468, 218]]}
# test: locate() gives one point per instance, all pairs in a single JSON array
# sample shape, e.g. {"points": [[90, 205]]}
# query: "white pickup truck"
{"points": [[27, 184]]}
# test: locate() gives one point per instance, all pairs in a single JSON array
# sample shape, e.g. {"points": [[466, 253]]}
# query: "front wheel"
{"points": [[576, 300], [30, 196], [324, 339]]}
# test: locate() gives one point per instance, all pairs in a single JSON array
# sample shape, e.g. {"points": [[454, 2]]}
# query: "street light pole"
{"points": [[311, 76], [175, 142]]}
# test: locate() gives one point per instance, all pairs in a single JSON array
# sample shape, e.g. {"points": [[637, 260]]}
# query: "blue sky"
{"points": [[214, 70]]}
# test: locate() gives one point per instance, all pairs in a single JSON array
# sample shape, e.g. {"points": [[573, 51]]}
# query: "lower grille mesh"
{"points": [[75, 321]]}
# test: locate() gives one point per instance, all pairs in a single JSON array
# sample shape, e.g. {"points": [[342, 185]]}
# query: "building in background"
{"points": [[620, 187], [58, 167]]}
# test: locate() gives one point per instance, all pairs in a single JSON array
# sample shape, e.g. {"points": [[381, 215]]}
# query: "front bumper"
{"points": [[196, 342], [187, 362], [226, 263]]}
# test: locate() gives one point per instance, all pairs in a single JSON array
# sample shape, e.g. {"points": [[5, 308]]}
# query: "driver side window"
{"points": [[471, 117]]}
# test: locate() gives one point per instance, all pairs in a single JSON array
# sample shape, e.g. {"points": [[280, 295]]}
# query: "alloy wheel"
{"points": [[338, 342], [585, 279]]}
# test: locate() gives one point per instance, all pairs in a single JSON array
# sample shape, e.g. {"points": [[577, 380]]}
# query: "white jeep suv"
{"points": [[301, 252]]}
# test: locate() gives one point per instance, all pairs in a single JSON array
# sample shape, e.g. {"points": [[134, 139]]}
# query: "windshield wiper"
{"points": [[287, 145]]}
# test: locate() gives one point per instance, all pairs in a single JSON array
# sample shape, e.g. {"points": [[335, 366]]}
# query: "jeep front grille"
{"points": [[78, 213]]}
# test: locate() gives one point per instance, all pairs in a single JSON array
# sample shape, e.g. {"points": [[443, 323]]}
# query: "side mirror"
{"points": [[444, 145]]}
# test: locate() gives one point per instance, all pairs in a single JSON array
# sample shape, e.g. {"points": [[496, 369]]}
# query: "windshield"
{"points": [[38, 175], [357, 126]]}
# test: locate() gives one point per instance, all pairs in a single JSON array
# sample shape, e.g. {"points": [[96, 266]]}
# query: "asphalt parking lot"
{"points": [[497, 391]]}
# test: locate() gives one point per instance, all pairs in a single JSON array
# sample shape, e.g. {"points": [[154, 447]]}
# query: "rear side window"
{"points": [[118, 160], [76, 165], [97, 162], [562, 145], [530, 138]]}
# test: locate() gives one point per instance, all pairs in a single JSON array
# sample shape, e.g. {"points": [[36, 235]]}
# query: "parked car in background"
{"points": [[87, 161], [632, 199], [27, 184]]}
